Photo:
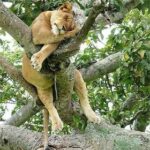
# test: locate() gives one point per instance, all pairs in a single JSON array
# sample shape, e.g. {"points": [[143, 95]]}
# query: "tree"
{"points": [[125, 56]]}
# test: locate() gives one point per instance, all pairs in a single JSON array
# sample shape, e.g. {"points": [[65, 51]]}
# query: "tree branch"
{"points": [[23, 114], [31, 108], [103, 136], [16, 28], [16, 75], [141, 121], [104, 66], [130, 102]]}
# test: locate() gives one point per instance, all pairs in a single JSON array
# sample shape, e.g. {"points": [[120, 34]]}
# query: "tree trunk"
{"points": [[95, 137], [142, 121]]}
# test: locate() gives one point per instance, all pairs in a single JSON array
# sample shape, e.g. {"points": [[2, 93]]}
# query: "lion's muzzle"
{"points": [[58, 30]]}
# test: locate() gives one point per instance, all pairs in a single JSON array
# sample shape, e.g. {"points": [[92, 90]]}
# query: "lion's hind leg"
{"points": [[81, 90], [46, 96]]}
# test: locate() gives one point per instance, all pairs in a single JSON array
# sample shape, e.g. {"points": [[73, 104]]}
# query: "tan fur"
{"points": [[42, 34]]}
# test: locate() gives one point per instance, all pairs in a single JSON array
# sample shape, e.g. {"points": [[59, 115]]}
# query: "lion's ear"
{"points": [[66, 7]]}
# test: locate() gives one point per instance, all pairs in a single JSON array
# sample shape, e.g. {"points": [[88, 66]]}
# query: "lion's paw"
{"points": [[36, 62], [57, 127], [92, 117], [95, 120]]}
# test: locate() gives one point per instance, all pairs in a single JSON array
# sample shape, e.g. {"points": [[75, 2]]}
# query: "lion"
{"points": [[49, 29]]}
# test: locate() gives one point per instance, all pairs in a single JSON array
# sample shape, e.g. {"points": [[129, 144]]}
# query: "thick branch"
{"points": [[23, 114], [104, 66], [33, 106], [96, 137], [65, 81], [142, 121], [16, 75], [16, 28]]}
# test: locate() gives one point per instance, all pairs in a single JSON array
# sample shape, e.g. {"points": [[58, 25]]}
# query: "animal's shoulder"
{"points": [[43, 16]]}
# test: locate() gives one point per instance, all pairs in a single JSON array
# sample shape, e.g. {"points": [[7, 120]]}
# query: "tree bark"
{"points": [[95, 137], [102, 67], [16, 28], [23, 114], [16, 75], [142, 121]]}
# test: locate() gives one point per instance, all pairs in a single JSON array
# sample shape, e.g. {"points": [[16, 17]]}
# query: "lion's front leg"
{"points": [[38, 58], [72, 33]]}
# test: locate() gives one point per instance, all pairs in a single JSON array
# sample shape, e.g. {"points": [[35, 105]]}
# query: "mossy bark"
{"points": [[65, 81], [95, 137]]}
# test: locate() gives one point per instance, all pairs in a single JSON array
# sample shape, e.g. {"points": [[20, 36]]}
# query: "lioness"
{"points": [[49, 28]]}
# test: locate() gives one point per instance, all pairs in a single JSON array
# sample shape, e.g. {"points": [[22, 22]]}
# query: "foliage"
{"points": [[132, 38], [28, 10], [9, 92]]}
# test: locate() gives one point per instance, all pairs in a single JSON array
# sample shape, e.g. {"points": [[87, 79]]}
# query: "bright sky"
{"points": [[7, 4]]}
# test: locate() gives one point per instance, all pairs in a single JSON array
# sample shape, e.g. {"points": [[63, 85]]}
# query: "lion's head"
{"points": [[62, 19]]}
